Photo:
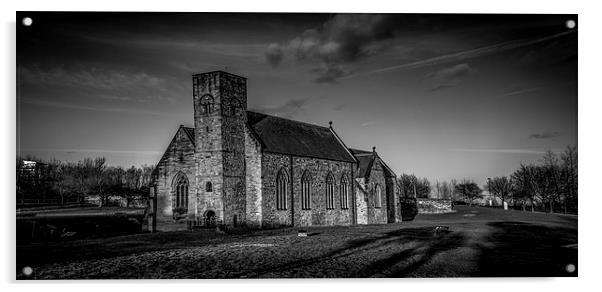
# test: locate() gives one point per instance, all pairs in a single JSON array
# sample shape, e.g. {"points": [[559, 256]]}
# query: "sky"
{"points": [[439, 95]]}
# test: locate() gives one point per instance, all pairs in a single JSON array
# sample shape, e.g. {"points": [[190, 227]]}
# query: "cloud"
{"points": [[100, 83], [521, 91], [463, 55], [545, 135], [368, 123], [93, 78], [509, 151], [139, 152], [343, 39], [339, 107], [64, 105], [450, 77], [288, 109], [328, 74], [274, 54]]}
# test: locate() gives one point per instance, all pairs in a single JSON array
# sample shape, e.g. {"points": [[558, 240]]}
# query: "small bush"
{"points": [[409, 209]]}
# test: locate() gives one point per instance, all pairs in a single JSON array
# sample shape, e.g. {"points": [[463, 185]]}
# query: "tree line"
{"points": [[549, 185], [61, 182]]}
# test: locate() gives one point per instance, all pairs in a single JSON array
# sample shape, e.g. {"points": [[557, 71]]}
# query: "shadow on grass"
{"points": [[518, 249], [426, 244]]}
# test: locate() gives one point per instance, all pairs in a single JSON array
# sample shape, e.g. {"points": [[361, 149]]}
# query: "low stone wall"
{"points": [[118, 201], [434, 206]]}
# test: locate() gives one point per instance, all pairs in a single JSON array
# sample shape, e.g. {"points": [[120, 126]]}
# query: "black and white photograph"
{"points": [[236, 145]]}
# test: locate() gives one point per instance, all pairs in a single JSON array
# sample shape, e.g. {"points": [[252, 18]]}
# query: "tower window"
{"points": [[207, 104], [208, 187]]}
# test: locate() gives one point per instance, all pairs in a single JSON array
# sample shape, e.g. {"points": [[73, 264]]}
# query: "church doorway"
{"points": [[210, 220]]}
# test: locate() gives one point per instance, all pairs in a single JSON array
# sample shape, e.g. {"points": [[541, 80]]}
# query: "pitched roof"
{"points": [[286, 136], [366, 160]]}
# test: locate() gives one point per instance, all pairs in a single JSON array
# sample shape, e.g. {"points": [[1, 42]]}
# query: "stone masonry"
{"points": [[231, 159]]}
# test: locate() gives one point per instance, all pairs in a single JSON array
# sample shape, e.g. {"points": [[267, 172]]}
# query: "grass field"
{"points": [[481, 242]]}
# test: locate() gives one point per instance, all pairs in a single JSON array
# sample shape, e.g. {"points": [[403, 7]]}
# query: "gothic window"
{"points": [[306, 191], [180, 187], [378, 198], [329, 191], [344, 192], [208, 187], [281, 189], [207, 104]]}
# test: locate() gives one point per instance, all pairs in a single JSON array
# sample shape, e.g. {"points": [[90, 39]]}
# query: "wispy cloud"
{"points": [[224, 49], [288, 109], [450, 76], [520, 91], [92, 78], [509, 151], [91, 151], [57, 104], [545, 135], [368, 123], [464, 55]]}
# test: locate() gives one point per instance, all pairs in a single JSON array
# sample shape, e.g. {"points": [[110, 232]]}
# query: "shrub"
{"points": [[409, 208]]}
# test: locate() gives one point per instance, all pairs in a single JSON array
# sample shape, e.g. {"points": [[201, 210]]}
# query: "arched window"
{"points": [[377, 197], [281, 189], [306, 191], [329, 191], [344, 192], [180, 188], [207, 104], [208, 187]]}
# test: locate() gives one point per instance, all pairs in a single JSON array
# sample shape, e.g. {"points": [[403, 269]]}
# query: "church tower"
{"points": [[220, 117]]}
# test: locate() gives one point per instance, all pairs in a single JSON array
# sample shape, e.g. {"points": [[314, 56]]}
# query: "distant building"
{"points": [[241, 167]]}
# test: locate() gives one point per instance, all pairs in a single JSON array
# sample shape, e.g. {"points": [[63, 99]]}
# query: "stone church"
{"points": [[238, 167]]}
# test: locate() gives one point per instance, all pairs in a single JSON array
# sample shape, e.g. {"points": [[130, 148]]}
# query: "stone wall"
{"points": [[233, 90], [393, 204], [377, 177], [220, 139], [254, 181], [361, 199], [179, 157], [118, 201], [318, 169], [433, 206]]}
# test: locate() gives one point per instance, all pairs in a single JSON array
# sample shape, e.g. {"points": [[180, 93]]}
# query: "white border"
{"points": [[589, 141]]}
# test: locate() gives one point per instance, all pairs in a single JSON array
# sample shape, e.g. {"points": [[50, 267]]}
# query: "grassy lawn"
{"points": [[481, 242]]}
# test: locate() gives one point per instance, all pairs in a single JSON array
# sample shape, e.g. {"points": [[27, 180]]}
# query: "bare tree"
{"points": [[452, 186], [569, 169], [500, 187]]}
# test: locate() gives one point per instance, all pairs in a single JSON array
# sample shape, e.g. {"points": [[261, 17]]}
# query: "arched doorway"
{"points": [[210, 219]]}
